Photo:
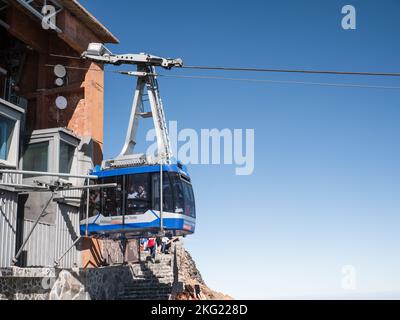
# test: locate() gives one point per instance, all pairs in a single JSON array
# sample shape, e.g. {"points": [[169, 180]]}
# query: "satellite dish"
{"points": [[61, 102], [60, 71], [59, 82]]}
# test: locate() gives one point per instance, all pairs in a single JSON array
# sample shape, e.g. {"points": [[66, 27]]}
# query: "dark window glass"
{"points": [[189, 199], [178, 193], [111, 198], [183, 196], [168, 204], [6, 131], [67, 152], [138, 193], [36, 157]]}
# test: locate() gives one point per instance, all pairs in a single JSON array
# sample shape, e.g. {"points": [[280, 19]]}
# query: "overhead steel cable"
{"points": [[385, 74], [283, 82], [66, 57]]}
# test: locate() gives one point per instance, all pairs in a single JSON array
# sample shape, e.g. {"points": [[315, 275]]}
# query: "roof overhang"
{"points": [[89, 20], [75, 9]]}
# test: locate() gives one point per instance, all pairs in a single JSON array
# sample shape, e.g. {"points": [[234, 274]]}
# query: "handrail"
{"points": [[50, 174]]}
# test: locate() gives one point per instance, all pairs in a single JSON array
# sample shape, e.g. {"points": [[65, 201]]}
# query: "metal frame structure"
{"points": [[53, 187], [146, 77]]}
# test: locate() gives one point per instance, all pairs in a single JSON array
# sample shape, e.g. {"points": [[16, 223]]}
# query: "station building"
{"points": [[51, 120]]}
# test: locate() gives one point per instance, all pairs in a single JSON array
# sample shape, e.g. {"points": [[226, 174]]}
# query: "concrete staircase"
{"points": [[150, 281]]}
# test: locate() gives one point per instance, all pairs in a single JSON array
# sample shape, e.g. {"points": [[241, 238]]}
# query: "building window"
{"points": [[6, 133], [67, 153], [36, 157]]}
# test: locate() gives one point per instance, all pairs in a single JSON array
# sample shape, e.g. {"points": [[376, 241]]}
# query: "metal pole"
{"points": [[123, 192], [37, 188], [161, 198], [15, 259], [57, 262], [21, 186], [138, 247], [87, 209], [49, 174], [93, 187]]}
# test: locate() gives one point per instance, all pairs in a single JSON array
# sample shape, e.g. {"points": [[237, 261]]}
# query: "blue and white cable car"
{"points": [[133, 208], [154, 194]]}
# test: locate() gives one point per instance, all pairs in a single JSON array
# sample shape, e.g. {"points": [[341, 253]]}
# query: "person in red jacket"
{"points": [[151, 245]]}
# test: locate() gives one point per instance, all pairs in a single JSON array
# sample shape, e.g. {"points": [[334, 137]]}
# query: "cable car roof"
{"points": [[179, 168]]}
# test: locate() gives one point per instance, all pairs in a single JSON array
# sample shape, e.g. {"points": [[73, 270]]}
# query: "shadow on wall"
{"points": [[106, 252], [68, 222]]}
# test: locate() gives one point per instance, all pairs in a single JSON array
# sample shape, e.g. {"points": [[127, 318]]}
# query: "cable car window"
{"points": [[168, 204], [111, 198], [138, 197], [178, 193], [189, 199], [183, 195]]}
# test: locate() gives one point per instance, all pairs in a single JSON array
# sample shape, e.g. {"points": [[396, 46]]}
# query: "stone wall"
{"points": [[63, 284], [171, 276]]}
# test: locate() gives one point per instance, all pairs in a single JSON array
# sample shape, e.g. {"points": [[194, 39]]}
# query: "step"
{"points": [[152, 273], [145, 294], [148, 288], [141, 288], [145, 298], [150, 285]]}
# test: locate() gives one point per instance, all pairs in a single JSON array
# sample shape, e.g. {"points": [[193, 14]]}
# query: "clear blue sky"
{"points": [[325, 190]]}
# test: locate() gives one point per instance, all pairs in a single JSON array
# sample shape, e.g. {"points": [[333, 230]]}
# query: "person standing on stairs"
{"points": [[152, 246], [165, 245]]}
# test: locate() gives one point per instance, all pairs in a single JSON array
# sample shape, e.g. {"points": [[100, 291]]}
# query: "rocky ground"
{"points": [[191, 277]]}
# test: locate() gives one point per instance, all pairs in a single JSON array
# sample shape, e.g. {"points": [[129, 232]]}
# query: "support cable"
{"points": [[283, 82]]}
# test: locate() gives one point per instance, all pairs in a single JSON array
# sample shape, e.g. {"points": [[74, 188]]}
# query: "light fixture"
{"points": [[61, 103], [60, 71], [97, 49], [59, 82]]}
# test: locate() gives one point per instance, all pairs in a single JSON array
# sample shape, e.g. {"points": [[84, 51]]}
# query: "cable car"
{"points": [[154, 195], [133, 208]]}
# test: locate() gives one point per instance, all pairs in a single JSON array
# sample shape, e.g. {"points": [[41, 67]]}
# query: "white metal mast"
{"points": [[146, 78]]}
